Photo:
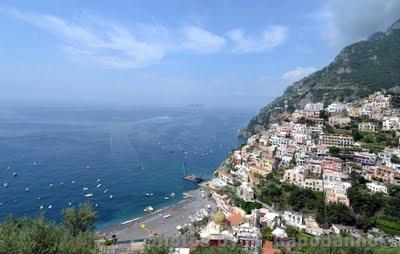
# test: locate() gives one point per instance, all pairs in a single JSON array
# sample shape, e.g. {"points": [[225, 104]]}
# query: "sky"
{"points": [[217, 53]]}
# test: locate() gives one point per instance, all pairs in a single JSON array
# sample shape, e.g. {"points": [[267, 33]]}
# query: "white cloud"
{"points": [[198, 40], [346, 21], [97, 41], [271, 38], [105, 43], [297, 74]]}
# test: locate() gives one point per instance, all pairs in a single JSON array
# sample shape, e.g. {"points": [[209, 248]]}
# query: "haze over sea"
{"points": [[59, 145]]}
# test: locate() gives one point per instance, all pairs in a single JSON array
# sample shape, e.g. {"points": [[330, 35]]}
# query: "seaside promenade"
{"points": [[177, 214]]}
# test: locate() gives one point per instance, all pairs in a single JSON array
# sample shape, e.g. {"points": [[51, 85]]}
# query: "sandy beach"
{"points": [[178, 214]]}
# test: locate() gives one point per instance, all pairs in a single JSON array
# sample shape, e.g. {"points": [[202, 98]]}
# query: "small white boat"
{"points": [[149, 194], [73, 181], [70, 204], [98, 180], [98, 186], [51, 185], [50, 206], [89, 195], [111, 197], [27, 189], [41, 207], [166, 198], [105, 191], [96, 205], [149, 209], [167, 216], [172, 194], [85, 188], [5, 185], [14, 174]]}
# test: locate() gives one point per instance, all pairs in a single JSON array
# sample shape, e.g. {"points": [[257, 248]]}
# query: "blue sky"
{"points": [[231, 53]]}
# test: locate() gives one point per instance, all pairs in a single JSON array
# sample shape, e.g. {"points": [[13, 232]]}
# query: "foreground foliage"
{"points": [[39, 235]]}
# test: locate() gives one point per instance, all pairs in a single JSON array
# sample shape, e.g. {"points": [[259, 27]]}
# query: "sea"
{"points": [[57, 157]]}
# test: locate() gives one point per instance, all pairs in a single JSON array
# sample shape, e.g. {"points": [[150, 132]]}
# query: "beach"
{"points": [[177, 214]]}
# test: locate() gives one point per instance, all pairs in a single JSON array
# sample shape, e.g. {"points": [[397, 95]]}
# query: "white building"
{"points": [[376, 187], [248, 236], [336, 108], [293, 219], [245, 192], [314, 106]]}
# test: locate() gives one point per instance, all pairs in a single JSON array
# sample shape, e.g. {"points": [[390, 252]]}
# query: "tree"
{"points": [[79, 220], [38, 235], [267, 234]]}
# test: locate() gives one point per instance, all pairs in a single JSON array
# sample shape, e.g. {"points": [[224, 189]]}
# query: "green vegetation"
{"points": [[288, 196], [38, 235], [267, 234], [395, 159]]}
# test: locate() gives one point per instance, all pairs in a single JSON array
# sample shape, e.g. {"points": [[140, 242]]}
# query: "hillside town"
{"points": [[323, 152]]}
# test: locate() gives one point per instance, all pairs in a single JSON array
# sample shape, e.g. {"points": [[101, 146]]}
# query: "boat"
{"points": [[89, 195], [191, 177], [172, 194], [111, 197], [5, 185], [98, 186], [149, 194], [166, 198], [85, 188], [167, 216], [15, 174], [27, 189], [50, 206], [41, 207], [148, 209], [98, 180], [105, 191]]}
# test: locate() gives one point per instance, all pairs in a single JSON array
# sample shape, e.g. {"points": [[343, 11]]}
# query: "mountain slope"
{"points": [[358, 70]]}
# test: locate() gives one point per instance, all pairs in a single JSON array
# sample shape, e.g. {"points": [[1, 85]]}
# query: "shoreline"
{"points": [[142, 227]]}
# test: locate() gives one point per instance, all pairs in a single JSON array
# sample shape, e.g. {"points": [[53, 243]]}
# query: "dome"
{"points": [[219, 218]]}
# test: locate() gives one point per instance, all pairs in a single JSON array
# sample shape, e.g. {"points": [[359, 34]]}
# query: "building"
{"points": [[296, 175], [314, 106], [248, 236], [336, 140], [332, 163], [336, 195], [293, 219], [367, 127], [335, 108], [376, 187], [364, 158], [259, 170], [314, 184], [340, 121], [389, 123], [245, 192], [312, 227], [384, 173]]}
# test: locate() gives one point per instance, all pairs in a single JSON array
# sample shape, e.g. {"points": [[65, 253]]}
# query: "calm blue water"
{"points": [[53, 145]]}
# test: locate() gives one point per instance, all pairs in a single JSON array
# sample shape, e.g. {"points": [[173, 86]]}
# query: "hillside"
{"points": [[358, 70]]}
